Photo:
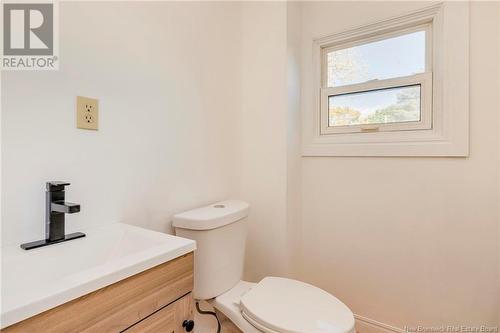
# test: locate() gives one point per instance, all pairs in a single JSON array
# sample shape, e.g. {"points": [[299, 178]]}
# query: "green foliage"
{"points": [[406, 108]]}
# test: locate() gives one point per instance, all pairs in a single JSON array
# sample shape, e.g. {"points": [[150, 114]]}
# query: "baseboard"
{"points": [[367, 325]]}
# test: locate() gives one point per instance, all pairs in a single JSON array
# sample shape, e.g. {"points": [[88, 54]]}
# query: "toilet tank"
{"points": [[220, 234]]}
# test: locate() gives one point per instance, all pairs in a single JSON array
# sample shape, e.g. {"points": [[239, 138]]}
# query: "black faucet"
{"points": [[55, 210]]}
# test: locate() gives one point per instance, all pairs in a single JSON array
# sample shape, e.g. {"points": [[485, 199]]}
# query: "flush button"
{"points": [[219, 206]]}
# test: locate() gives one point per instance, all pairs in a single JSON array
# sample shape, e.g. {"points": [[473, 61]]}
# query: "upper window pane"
{"points": [[384, 59]]}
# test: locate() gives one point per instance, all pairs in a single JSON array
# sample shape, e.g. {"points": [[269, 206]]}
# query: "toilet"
{"points": [[273, 305]]}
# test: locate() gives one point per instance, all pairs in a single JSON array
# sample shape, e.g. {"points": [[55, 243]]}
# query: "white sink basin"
{"points": [[37, 280]]}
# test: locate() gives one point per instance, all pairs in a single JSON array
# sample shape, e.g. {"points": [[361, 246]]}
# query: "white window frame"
{"points": [[424, 80], [445, 91]]}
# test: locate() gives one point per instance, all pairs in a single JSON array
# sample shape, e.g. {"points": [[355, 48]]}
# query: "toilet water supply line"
{"points": [[200, 311]]}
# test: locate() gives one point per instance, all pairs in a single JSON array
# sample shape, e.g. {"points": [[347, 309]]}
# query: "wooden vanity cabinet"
{"points": [[166, 320], [156, 300]]}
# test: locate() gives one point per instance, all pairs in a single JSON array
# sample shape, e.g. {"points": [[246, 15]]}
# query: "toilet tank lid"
{"points": [[212, 216]]}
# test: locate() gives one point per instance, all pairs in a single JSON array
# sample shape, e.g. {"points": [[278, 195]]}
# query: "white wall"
{"points": [[263, 135], [294, 163], [190, 94], [407, 241], [167, 79]]}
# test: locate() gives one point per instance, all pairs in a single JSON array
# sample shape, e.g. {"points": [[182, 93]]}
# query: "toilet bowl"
{"points": [[273, 305]]}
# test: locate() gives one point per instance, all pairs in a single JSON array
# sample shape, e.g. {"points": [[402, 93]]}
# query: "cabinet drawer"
{"points": [[118, 306], [168, 319]]}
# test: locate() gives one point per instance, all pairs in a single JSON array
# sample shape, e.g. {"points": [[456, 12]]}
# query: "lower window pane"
{"points": [[384, 106]]}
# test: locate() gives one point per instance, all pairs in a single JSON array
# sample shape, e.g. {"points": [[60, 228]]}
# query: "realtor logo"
{"points": [[28, 36]]}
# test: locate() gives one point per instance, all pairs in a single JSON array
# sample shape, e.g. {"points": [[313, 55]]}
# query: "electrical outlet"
{"points": [[87, 113]]}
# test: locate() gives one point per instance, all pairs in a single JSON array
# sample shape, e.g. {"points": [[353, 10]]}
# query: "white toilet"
{"points": [[274, 305]]}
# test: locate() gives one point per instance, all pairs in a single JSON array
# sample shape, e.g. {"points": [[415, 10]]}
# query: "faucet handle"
{"points": [[56, 186]]}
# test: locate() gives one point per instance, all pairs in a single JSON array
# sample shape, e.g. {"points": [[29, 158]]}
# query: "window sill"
{"points": [[431, 146]]}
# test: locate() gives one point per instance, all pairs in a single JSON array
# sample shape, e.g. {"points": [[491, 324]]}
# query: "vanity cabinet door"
{"points": [[166, 320]]}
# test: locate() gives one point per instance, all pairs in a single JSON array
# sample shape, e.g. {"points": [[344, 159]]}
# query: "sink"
{"points": [[40, 279]]}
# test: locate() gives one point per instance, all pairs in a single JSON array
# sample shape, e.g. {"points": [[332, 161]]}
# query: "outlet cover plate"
{"points": [[87, 113]]}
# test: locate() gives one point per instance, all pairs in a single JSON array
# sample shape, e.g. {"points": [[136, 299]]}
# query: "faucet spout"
{"points": [[64, 207]]}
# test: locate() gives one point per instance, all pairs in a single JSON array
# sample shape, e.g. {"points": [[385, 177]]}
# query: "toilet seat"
{"points": [[280, 305]]}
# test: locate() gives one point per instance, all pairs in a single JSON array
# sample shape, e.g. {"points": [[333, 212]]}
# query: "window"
{"points": [[381, 83], [395, 87]]}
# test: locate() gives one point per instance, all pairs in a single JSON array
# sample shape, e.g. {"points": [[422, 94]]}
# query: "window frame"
{"points": [[423, 79], [449, 134]]}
